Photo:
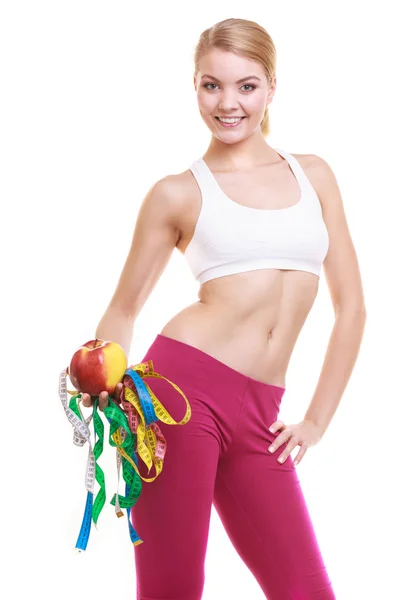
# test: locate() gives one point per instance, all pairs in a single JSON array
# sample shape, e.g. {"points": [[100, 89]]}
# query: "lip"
{"points": [[230, 125]]}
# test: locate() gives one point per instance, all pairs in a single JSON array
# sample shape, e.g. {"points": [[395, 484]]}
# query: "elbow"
{"points": [[354, 311], [362, 310]]}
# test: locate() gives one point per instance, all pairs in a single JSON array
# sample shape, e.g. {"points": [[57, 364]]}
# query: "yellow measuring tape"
{"points": [[134, 428], [151, 444]]}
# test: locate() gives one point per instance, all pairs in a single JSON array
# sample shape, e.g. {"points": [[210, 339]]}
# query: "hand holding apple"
{"points": [[88, 400], [97, 369]]}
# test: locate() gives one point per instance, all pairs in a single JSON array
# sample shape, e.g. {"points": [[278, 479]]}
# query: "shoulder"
{"points": [[170, 186], [312, 163], [178, 187], [171, 191], [175, 186], [320, 175]]}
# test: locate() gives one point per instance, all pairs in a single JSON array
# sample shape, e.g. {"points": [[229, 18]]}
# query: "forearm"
{"points": [[116, 326], [343, 348]]}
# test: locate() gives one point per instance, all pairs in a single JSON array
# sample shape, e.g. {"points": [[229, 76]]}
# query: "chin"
{"points": [[229, 137], [230, 141]]}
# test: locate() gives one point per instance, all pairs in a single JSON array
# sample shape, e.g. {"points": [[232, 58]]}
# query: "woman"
{"points": [[255, 224]]}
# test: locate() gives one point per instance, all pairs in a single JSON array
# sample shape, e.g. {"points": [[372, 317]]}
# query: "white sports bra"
{"points": [[232, 238]]}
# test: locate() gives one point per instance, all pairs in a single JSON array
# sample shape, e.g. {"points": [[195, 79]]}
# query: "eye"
{"points": [[245, 85], [249, 85]]}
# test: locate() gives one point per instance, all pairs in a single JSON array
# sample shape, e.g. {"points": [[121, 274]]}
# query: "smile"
{"points": [[233, 123]]}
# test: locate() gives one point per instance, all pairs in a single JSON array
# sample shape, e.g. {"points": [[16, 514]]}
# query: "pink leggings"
{"points": [[220, 456]]}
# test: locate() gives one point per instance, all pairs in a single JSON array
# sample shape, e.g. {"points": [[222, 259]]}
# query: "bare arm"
{"points": [[345, 286], [154, 239], [115, 325]]}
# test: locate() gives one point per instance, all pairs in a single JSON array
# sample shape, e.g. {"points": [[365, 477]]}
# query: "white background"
{"points": [[97, 103]]}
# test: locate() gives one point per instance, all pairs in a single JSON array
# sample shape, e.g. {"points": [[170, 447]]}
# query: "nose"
{"points": [[227, 102]]}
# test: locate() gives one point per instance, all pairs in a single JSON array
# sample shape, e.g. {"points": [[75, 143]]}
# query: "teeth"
{"points": [[230, 120]]}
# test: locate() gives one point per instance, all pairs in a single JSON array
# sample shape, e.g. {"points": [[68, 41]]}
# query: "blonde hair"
{"points": [[245, 38]]}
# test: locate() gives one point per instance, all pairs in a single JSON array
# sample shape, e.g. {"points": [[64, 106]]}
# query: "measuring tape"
{"points": [[132, 429]]}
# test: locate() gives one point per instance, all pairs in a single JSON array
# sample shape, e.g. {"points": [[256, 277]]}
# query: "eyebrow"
{"points": [[239, 81]]}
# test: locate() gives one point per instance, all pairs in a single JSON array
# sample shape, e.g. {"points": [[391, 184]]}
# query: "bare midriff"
{"points": [[250, 321]]}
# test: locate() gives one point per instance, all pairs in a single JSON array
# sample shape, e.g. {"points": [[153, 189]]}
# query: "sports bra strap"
{"points": [[295, 165], [204, 177]]}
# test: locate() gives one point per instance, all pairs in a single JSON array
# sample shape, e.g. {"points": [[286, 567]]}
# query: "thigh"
{"points": [[263, 509], [172, 514]]}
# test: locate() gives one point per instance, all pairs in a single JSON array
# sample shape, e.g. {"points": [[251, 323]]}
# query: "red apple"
{"points": [[97, 366]]}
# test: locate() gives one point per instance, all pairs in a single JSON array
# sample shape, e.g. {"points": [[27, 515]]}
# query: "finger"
{"points": [[279, 440], [117, 392], [287, 451], [300, 454], [103, 400], [115, 396], [121, 393], [277, 425], [87, 400]]}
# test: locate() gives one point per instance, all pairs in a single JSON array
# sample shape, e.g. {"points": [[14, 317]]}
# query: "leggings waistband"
{"points": [[212, 364]]}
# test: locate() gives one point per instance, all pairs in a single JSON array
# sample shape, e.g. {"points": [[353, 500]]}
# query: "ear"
{"points": [[272, 89], [194, 82]]}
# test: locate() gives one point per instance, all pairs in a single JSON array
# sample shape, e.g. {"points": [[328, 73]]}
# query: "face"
{"points": [[225, 88]]}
